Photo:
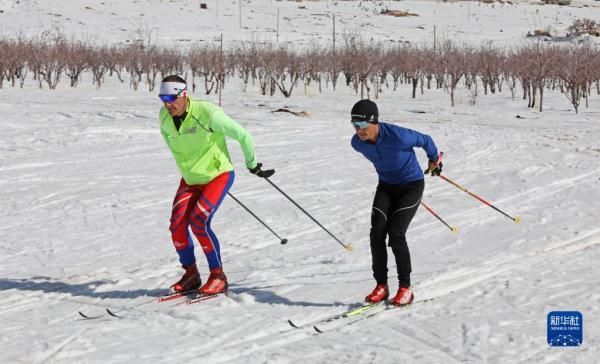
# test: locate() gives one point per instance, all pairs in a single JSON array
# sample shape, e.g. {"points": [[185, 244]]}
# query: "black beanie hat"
{"points": [[365, 110]]}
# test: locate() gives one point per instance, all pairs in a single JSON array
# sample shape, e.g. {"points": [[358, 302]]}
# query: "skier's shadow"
{"points": [[89, 289], [86, 289], [262, 295]]}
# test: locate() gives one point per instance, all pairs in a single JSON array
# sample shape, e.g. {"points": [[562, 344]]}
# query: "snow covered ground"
{"points": [[87, 185]]}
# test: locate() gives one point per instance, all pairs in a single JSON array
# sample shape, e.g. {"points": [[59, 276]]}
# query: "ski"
{"points": [[350, 313], [199, 297], [174, 296], [364, 314], [191, 298], [364, 311], [88, 317], [108, 312]]}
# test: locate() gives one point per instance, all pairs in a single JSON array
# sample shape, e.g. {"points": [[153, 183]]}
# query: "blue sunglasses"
{"points": [[171, 98]]}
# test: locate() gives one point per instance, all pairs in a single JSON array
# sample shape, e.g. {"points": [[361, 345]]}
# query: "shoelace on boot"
{"points": [[213, 284]]}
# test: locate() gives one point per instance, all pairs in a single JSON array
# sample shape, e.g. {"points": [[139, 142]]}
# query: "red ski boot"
{"points": [[216, 283], [189, 281], [404, 297], [380, 293]]}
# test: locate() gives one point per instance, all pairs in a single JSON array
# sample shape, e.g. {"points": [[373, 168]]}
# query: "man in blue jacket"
{"points": [[398, 194]]}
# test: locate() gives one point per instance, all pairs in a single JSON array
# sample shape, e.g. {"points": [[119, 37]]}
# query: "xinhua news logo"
{"points": [[565, 328]]}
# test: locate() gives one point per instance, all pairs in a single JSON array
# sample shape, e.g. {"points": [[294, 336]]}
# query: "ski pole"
{"points": [[452, 228], [515, 219], [283, 241], [348, 247]]}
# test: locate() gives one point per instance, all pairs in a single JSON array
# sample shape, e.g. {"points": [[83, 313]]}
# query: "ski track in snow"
{"points": [[263, 334]]}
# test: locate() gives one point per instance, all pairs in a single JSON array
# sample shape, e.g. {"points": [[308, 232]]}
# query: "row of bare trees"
{"points": [[366, 67]]}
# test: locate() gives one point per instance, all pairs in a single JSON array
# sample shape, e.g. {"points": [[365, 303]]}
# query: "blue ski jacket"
{"points": [[393, 155]]}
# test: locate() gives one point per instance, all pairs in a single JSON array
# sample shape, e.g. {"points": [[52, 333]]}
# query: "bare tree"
{"points": [[243, 60], [76, 58], [522, 65], [360, 62], [489, 64], [414, 68], [332, 66], [5, 47], [455, 62], [17, 61], [397, 58], [283, 67], [204, 62], [574, 73], [114, 59], [429, 63], [171, 61], [50, 48], [134, 63], [314, 65], [544, 67], [151, 67]]}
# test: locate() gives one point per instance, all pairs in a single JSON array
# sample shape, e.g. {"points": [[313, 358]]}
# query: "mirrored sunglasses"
{"points": [[360, 124], [170, 98], [167, 98]]}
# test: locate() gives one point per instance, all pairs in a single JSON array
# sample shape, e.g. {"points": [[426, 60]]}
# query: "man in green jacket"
{"points": [[195, 130]]}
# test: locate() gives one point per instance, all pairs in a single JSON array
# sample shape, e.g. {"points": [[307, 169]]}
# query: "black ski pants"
{"points": [[394, 206]]}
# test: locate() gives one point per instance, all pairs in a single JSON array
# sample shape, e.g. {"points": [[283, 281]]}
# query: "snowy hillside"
{"points": [[87, 186], [183, 22]]}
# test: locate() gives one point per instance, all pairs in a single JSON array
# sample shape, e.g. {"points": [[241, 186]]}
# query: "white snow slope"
{"points": [[87, 185]]}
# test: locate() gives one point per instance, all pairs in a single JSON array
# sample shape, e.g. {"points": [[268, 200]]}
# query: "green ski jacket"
{"points": [[199, 146]]}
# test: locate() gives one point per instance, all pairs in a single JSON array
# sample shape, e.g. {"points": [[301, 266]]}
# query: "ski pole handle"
{"points": [[438, 161]]}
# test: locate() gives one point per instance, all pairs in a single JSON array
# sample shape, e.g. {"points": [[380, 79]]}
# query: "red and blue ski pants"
{"points": [[194, 206]]}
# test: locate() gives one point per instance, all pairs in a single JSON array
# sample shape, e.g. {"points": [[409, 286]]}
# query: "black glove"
{"points": [[259, 172], [435, 168]]}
